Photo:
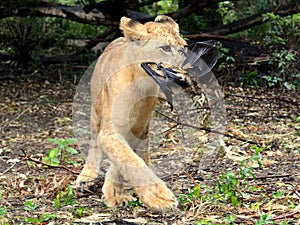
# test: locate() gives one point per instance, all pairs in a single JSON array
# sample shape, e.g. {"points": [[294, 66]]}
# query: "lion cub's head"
{"points": [[157, 41]]}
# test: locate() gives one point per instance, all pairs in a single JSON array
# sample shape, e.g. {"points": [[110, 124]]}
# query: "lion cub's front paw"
{"points": [[121, 200], [157, 196], [114, 194], [86, 179]]}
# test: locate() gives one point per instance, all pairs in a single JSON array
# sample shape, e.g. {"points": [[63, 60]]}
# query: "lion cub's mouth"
{"points": [[167, 77]]}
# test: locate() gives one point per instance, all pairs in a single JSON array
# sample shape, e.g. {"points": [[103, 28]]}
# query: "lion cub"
{"points": [[123, 100]]}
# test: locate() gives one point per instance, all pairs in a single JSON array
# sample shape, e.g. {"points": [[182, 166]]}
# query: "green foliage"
{"points": [[205, 221], [192, 195], [68, 2], [135, 204], [227, 11], [193, 23], [280, 30], [22, 37], [229, 219], [284, 66], [80, 211], [42, 219], [30, 206], [251, 80], [226, 61], [28, 40], [167, 6], [264, 219], [64, 198], [60, 152], [229, 188], [160, 7], [3, 210], [297, 119], [257, 157]]}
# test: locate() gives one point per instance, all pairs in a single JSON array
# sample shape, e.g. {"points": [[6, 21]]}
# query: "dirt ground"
{"points": [[33, 193]]}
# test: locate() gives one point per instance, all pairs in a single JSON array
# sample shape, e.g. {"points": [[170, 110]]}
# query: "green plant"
{"points": [[30, 206], [192, 195], [230, 187], [229, 219], [80, 211], [297, 119], [227, 188], [64, 198], [257, 157], [134, 204], [3, 210], [61, 151], [251, 79], [193, 22], [276, 195], [226, 60], [25, 35], [264, 219], [284, 69], [227, 11], [41, 220], [207, 221]]}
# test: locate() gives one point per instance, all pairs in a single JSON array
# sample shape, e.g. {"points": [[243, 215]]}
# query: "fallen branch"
{"points": [[284, 216], [205, 129], [29, 158], [270, 176]]}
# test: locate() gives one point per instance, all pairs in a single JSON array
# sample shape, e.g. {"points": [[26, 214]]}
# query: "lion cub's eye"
{"points": [[166, 48]]}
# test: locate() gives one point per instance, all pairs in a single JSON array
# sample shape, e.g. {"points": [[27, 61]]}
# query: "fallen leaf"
{"points": [[270, 206]]}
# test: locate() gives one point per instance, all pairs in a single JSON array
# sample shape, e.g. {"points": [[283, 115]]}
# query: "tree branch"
{"points": [[252, 21], [46, 9]]}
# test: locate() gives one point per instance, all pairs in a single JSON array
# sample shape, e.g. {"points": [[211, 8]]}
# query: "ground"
{"points": [[255, 178]]}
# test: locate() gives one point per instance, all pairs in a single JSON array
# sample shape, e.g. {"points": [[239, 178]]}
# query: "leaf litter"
{"points": [[32, 111]]}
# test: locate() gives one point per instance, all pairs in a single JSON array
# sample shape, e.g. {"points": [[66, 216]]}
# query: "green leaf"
{"points": [[30, 206], [52, 140], [71, 140], [71, 150], [47, 217], [54, 161], [3, 210], [53, 153], [32, 220]]}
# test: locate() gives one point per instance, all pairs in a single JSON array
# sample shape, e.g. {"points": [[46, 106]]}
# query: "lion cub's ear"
{"points": [[167, 20], [133, 30]]}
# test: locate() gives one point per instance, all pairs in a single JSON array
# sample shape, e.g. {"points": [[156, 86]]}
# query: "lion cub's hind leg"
{"points": [[113, 188], [90, 172]]}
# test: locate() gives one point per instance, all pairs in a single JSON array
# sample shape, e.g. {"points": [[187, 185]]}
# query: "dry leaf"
{"points": [[270, 206]]}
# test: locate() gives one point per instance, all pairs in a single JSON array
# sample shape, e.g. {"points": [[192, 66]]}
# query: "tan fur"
{"points": [[123, 99]]}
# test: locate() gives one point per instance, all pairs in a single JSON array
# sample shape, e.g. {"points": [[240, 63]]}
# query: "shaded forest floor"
{"points": [[254, 182]]}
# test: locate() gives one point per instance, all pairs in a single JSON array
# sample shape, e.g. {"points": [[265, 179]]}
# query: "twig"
{"points": [[206, 129], [190, 176], [27, 157], [285, 216], [9, 168], [269, 176]]}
